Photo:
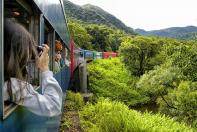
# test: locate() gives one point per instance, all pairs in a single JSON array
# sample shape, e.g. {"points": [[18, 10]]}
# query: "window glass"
{"points": [[49, 40]]}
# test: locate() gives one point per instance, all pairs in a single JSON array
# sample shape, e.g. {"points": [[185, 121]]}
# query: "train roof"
{"points": [[53, 11]]}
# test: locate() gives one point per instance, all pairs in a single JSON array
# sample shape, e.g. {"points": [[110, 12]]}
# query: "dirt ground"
{"points": [[74, 123]]}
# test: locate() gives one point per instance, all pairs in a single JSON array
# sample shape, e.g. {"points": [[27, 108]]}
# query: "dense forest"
{"points": [[95, 37], [154, 75]]}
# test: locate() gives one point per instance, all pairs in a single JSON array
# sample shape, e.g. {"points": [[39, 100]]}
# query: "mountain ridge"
{"points": [[173, 32], [95, 15]]}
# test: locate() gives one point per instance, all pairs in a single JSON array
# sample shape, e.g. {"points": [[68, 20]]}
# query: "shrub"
{"points": [[184, 99], [109, 78], [74, 101], [108, 116], [66, 123], [159, 81]]}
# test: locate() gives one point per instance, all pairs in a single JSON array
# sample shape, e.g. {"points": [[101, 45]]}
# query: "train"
{"points": [[79, 55], [46, 21]]}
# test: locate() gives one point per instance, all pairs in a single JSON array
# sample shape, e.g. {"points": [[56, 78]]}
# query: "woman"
{"points": [[58, 57], [19, 48]]}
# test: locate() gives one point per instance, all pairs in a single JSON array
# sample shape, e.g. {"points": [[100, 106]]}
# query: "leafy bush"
{"points": [[74, 101], [184, 100], [109, 78], [159, 81], [186, 59], [108, 116], [65, 123]]}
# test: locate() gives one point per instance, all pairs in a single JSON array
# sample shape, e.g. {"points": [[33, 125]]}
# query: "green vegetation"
{"points": [[183, 99], [108, 116], [66, 123], [80, 35], [182, 33], [94, 29], [169, 77], [91, 14], [169, 81], [109, 78], [150, 70], [188, 36], [97, 37], [140, 54], [74, 101], [70, 118]]}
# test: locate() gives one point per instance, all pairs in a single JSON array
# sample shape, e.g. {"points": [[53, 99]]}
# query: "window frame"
{"points": [[9, 109], [1, 58], [51, 39]]}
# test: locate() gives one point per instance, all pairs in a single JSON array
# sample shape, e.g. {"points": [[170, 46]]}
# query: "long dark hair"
{"points": [[19, 48]]}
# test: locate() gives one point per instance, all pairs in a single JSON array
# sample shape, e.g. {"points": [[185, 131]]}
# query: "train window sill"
{"points": [[8, 108], [36, 87]]}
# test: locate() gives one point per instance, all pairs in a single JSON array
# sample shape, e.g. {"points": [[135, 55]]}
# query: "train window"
{"points": [[62, 61], [23, 14], [16, 10], [59, 61], [65, 60], [49, 40], [66, 57]]}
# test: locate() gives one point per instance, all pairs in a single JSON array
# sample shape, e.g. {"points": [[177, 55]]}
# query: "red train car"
{"points": [[74, 56], [109, 55]]}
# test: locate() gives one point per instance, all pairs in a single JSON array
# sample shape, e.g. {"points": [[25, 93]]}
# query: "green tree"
{"points": [[184, 101], [173, 84], [100, 39], [139, 54], [80, 35], [103, 81]]}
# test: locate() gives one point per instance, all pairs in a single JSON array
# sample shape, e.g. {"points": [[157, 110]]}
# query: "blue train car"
{"points": [[46, 21], [88, 55]]}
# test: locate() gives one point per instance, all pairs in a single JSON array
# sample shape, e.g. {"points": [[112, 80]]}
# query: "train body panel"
{"points": [[88, 55], [76, 56], [109, 55], [98, 55]]}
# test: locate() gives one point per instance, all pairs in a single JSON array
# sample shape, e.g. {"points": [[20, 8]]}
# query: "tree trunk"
{"points": [[141, 68]]}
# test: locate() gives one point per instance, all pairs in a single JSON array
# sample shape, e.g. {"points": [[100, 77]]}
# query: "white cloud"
{"points": [[149, 14]]}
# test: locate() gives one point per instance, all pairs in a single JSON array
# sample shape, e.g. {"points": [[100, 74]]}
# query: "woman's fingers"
{"points": [[45, 49], [43, 60]]}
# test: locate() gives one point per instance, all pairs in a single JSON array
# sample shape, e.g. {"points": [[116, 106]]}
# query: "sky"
{"points": [[149, 14]]}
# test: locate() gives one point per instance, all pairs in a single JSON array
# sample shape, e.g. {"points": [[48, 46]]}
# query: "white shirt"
{"points": [[48, 103]]}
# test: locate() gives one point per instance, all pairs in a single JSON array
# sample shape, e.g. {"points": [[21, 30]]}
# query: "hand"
{"points": [[43, 60]]}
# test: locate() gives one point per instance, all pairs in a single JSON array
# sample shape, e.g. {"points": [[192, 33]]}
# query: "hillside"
{"points": [[188, 36], [95, 15], [185, 33]]}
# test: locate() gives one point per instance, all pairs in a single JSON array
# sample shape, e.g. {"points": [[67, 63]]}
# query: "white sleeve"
{"points": [[48, 103]]}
